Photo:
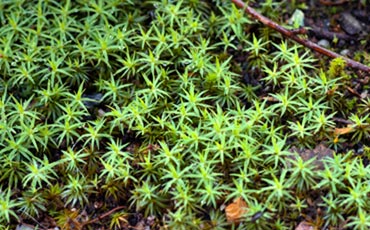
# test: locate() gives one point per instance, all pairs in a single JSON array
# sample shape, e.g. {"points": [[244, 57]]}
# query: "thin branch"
{"points": [[103, 215], [292, 35], [331, 3]]}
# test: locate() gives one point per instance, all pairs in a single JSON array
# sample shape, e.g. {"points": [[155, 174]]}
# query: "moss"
{"points": [[171, 109]]}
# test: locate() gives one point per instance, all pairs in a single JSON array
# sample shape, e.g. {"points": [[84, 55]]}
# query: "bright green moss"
{"points": [[171, 109]]}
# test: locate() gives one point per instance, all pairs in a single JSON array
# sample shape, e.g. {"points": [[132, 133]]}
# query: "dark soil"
{"points": [[346, 26]]}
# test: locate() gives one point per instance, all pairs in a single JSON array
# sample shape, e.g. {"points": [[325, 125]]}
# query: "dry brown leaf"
{"points": [[353, 91], [320, 152], [236, 210], [341, 131], [269, 98]]}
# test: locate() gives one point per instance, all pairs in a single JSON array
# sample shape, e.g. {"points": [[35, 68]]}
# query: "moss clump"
{"points": [[170, 109]]}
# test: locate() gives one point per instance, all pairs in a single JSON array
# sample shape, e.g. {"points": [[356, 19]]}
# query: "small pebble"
{"points": [[364, 94], [324, 43], [350, 24], [23, 227], [344, 52], [101, 113]]}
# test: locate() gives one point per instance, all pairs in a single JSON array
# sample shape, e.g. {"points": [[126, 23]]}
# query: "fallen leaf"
{"points": [[320, 152], [269, 98], [353, 91], [341, 131], [236, 210]]}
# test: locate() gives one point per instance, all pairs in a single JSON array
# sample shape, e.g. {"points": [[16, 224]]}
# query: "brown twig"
{"points": [[341, 120], [103, 215], [333, 3], [273, 25]]}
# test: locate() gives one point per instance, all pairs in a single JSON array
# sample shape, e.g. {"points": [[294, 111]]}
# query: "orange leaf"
{"points": [[341, 131], [236, 210]]}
